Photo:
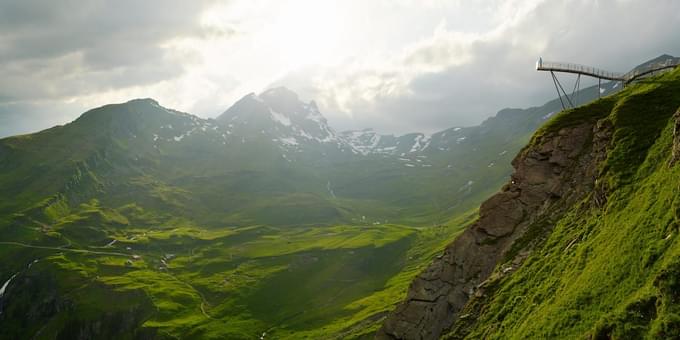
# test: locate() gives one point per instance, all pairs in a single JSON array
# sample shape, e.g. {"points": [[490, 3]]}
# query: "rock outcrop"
{"points": [[676, 139], [49, 306], [553, 172]]}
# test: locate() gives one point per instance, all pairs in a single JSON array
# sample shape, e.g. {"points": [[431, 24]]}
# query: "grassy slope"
{"points": [[608, 272], [222, 281], [73, 187], [217, 282]]}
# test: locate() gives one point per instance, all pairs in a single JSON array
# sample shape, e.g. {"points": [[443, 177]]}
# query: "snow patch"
{"points": [[421, 142], [548, 115], [289, 141], [304, 133], [330, 190], [279, 118], [466, 186]]}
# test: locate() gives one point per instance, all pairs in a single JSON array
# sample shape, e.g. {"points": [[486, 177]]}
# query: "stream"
{"points": [[3, 289]]}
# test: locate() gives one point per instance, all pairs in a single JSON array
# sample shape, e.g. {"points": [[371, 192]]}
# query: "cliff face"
{"points": [[676, 139], [53, 311], [556, 170], [572, 167]]}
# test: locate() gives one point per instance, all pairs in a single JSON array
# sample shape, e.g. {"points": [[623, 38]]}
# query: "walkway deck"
{"points": [[552, 66]]}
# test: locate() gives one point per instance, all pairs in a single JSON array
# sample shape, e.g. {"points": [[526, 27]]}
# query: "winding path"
{"points": [[82, 251]]}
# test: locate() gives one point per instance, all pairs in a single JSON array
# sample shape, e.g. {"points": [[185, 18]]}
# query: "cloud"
{"points": [[57, 59], [55, 50], [456, 78], [398, 66]]}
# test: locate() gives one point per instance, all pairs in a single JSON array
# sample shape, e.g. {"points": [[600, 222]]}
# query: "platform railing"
{"points": [[639, 72], [542, 65]]}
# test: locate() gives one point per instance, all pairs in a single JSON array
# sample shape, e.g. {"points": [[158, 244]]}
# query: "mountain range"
{"points": [[263, 151], [140, 221]]}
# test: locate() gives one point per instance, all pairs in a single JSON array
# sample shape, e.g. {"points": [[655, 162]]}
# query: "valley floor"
{"points": [[247, 282]]}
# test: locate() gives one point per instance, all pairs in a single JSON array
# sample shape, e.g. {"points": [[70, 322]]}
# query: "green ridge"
{"points": [[609, 272]]}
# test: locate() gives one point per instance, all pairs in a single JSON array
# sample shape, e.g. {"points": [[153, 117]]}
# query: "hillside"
{"points": [[139, 221], [580, 243], [263, 151]]}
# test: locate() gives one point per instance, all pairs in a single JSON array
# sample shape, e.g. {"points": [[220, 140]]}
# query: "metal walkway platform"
{"points": [[624, 78], [578, 69]]}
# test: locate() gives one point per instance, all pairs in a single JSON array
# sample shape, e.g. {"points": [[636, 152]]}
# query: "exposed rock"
{"points": [[560, 166], [676, 139], [36, 299]]}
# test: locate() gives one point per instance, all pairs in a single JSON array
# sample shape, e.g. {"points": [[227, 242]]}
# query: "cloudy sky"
{"points": [[394, 65]]}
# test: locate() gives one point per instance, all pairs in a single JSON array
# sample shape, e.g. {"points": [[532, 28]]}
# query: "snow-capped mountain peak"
{"points": [[281, 116], [367, 142]]}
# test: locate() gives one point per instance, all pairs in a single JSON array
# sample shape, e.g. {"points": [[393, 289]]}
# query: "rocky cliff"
{"points": [[55, 310], [556, 170], [570, 165], [676, 139]]}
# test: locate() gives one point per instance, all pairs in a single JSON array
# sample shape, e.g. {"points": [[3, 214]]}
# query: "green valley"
{"points": [[177, 279], [339, 170], [137, 221]]}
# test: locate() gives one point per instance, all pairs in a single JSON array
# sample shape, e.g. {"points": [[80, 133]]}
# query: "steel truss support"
{"points": [[577, 87], [561, 91], [573, 98]]}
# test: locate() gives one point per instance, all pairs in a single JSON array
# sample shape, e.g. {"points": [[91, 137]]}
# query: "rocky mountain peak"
{"points": [[279, 115]]}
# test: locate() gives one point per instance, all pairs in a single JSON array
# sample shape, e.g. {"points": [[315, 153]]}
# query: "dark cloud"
{"points": [[52, 50]]}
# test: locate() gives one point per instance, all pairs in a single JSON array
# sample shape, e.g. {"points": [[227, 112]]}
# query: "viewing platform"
{"points": [[583, 70], [552, 66]]}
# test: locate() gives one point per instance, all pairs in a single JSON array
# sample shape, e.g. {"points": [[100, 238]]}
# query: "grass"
{"points": [[610, 272], [212, 228], [195, 282]]}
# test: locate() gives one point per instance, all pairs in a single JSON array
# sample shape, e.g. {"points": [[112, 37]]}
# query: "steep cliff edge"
{"points": [[676, 140], [578, 176], [78, 308], [555, 171]]}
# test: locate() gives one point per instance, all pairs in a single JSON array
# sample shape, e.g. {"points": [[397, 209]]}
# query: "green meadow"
{"points": [[188, 281]]}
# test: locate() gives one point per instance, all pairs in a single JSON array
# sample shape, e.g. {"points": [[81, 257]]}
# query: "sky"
{"points": [[393, 65]]}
